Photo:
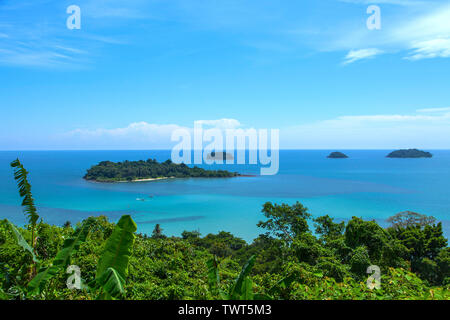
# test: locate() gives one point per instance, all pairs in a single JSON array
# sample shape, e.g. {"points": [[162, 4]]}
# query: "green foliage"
{"points": [[366, 233], [62, 259], [112, 284], [360, 261], [427, 250], [19, 239], [284, 221], [112, 269], [327, 228], [21, 176], [107, 171], [408, 219], [242, 288], [287, 262], [157, 232]]}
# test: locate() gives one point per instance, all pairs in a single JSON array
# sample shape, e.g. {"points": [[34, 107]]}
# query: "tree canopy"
{"points": [[107, 171]]}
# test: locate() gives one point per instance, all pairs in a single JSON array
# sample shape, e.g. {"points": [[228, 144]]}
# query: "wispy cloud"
{"points": [[355, 55], [427, 128], [141, 135], [396, 2], [421, 30], [43, 41], [435, 48], [221, 123], [34, 58], [432, 110]]}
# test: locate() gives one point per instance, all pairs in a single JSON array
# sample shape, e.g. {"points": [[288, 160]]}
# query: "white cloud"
{"points": [[372, 132], [221, 123], [430, 49], [426, 128], [137, 135], [419, 32], [397, 2], [355, 55], [44, 58], [432, 110], [431, 24]]}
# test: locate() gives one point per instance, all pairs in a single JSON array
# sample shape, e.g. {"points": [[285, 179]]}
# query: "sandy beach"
{"points": [[148, 179]]}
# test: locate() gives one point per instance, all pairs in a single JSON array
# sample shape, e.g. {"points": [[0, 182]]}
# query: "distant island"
{"points": [[220, 156], [409, 153], [129, 171], [337, 155]]}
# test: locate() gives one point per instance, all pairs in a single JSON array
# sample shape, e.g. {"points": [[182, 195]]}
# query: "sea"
{"points": [[366, 185]]}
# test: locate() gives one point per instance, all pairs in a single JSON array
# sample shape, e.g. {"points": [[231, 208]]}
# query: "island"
{"points": [[220, 156], [409, 153], [337, 155], [134, 171]]}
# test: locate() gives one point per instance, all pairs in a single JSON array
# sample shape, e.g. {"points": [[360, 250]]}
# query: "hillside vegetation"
{"points": [[287, 261]]}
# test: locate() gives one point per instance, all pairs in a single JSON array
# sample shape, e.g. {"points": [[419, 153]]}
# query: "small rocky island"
{"points": [[220, 156], [337, 155], [409, 153], [129, 171]]}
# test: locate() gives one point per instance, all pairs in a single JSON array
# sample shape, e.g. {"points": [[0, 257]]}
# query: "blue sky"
{"points": [[138, 69]]}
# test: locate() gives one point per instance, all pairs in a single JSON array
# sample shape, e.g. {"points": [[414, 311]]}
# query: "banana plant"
{"points": [[62, 259], [21, 176], [20, 240], [242, 288], [112, 268]]}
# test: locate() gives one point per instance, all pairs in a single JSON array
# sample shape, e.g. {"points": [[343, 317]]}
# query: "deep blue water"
{"points": [[367, 185]]}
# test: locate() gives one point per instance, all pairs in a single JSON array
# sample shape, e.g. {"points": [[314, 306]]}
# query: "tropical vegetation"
{"points": [[296, 257], [108, 171]]}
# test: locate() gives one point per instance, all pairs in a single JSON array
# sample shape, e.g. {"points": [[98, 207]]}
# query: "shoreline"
{"points": [[146, 179]]}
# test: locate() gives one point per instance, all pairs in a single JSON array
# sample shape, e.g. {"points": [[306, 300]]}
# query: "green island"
{"points": [[295, 257], [337, 155], [108, 171], [409, 153]]}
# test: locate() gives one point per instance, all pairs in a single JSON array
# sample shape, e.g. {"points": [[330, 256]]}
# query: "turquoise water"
{"points": [[367, 185]]}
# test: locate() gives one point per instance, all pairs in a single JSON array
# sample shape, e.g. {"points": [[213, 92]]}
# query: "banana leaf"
{"points": [[21, 241], [112, 284], [62, 259], [237, 290], [213, 276], [117, 252]]}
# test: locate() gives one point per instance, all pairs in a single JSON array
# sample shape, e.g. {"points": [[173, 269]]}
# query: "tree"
{"points": [[187, 235], [360, 261], [408, 218], [327, 228], [424, 245], [366, 233], [285, 221], [157, 232]]}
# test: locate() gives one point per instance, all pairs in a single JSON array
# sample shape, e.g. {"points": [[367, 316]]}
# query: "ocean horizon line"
{"points": [[281, 149]]}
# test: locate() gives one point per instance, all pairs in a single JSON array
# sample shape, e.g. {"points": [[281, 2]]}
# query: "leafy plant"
{"points": [[19, 239], [112, 268], [242, 288], [21, 176], [62, 259]]}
